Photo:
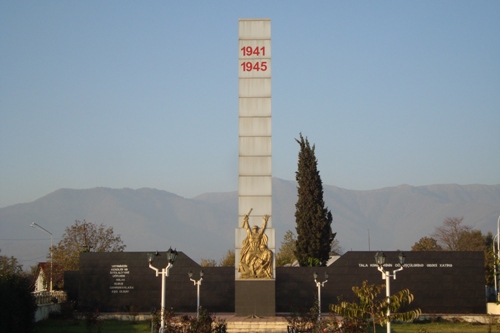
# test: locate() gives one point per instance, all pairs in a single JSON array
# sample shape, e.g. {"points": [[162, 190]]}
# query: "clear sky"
{"points": [[145, 93]]}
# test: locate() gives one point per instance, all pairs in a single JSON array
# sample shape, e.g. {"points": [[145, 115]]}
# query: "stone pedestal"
{"points": [[255, 298]]}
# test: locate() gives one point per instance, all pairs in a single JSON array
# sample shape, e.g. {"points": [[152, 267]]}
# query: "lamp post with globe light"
{"points": [[197, 284], [380, 261], [171, 256], [319, 285]]}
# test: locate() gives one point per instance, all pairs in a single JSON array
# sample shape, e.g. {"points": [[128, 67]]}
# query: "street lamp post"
{"points": [[380, 261], [197, 284], [171, 256], [319, 285], [35, 225]]}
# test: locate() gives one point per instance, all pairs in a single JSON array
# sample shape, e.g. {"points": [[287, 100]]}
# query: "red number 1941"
{"points": [[259, 66], [248, 51]]}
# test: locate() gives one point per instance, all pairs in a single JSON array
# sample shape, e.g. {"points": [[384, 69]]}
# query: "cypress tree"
{"points": [[314, 231]]}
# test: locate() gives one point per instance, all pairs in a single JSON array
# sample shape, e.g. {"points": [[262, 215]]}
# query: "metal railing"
{"points": [[49, 297]]}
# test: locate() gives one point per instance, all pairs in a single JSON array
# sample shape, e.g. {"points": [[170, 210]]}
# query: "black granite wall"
{"points": [[123, 281], [442, 282], [71, 284]]}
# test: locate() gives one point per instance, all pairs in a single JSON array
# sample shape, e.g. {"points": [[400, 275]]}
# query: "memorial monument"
{"points": [[255, 269], [442, 281]]}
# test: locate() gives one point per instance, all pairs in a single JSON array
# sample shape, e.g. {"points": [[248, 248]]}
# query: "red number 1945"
{"points": [[259, 66], [248, 51]]}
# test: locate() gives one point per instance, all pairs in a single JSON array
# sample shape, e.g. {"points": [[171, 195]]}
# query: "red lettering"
{"points": [[259, 66], [248, 51]]}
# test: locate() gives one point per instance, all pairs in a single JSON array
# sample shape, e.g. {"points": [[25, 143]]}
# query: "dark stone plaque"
{"points": [[255, 298]]}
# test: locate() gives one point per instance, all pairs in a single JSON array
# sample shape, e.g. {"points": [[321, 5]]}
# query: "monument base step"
{"points": [[256, 325]]}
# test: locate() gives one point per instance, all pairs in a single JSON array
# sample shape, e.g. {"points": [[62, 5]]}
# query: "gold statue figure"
{"points": [[255, 258]]}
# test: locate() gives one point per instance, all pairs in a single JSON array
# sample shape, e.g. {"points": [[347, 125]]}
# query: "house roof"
{"points": [[45, 267]]}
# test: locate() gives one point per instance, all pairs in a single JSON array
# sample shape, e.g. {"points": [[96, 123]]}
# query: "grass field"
{"points": [[107, 326], [441, 328], [116, 326]]}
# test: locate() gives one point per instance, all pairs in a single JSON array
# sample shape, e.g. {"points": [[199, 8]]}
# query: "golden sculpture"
{"points": [[256, 260]]}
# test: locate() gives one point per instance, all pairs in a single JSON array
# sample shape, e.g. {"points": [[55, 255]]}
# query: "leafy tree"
{"points": [[286, 254], [9, 266], [373, 309], [228, 259], [17, 305], [473, 240], [490, 259], [336, 248], [83, 237], [314, 231], [454, 236], [426, 244], [208, 262]]}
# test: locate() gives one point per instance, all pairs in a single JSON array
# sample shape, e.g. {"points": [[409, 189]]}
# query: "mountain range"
{"points": [[204, 226]]}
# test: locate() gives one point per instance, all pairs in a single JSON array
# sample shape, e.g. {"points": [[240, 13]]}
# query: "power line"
{"points": [[32, 259]]}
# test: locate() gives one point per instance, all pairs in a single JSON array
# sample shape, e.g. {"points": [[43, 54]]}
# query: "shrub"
{"points": [[304, 320], [205, 323], [17, 305]]}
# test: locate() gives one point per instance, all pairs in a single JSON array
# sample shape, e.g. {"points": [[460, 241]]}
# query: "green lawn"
{"points": [[440, 328], [117, 326], [107, 326]]}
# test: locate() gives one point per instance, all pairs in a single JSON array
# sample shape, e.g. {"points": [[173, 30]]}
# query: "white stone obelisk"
{"points": [[255, 140]]}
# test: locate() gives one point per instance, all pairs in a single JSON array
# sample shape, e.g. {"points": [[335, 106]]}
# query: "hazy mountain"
{"points": [[203, 227]]}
